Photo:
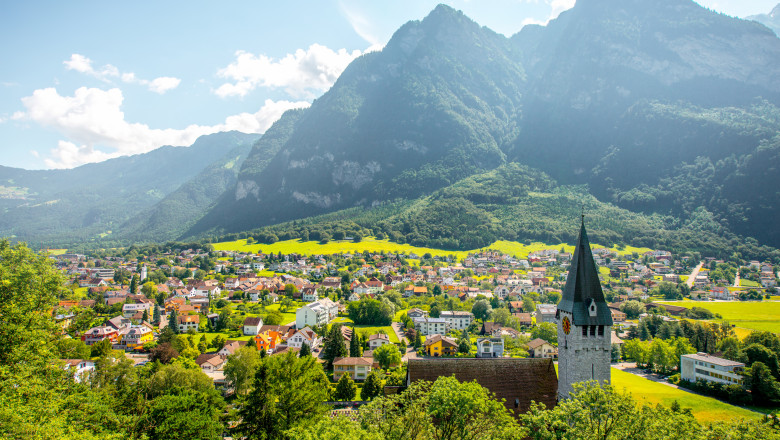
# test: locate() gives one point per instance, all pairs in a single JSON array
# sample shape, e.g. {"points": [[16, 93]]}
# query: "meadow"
{"points": [[705, 409], [752, 315], [518, 250]]}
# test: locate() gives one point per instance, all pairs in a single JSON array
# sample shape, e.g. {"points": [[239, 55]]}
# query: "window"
{"points": [[592, 330], [601, 330], [585, 331]]}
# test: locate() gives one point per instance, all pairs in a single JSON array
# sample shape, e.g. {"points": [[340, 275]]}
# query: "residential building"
{"points": [[267, 340], [377, 340], [252, 325], [231, 347], [97, 334], [357, 367], [702, 366], [539, 348], [430, 326], [137, 336], [457, 320], [309, 294], [317, 313], [490, 347], [546, 313], [438, 345], [187, 322], [304, 336], [81, 368], [415, 313]]}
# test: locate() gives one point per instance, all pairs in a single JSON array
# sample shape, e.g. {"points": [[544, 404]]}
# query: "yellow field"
{"points": [[515, 249], [56, 251], [754, 315], [705, 409]]}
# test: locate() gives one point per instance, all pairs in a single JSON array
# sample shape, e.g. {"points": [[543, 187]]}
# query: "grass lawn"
{"points": [[516, 249], [397, 316], [370, 330], [754, 315], [705, 409], [286, 317], [226, 335], [333, 247], [747, 283]]}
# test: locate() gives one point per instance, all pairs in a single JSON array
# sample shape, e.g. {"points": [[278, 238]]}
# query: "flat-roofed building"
{"points": [[702, 366]]}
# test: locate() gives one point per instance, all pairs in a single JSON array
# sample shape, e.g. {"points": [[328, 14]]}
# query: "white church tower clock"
{"points": [[584, 323]]}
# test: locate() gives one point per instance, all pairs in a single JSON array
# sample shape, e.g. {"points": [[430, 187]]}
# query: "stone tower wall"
{"points": [[582, 358]]}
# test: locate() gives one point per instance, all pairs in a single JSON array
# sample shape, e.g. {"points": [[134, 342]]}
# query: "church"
{"points": [[584, 347]]}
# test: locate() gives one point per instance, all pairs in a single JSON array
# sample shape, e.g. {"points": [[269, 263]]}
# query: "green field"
{"points": [[286, 317], [754, 315], [518, 250], [705, 409]]}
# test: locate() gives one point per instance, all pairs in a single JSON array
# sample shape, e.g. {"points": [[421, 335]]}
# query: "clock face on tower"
{"points": [[566, 325]]}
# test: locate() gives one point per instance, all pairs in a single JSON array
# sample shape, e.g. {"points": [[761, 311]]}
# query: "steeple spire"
{"points": [[583, 288]]}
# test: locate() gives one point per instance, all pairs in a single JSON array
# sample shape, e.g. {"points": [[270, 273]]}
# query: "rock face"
{"points": [[771, 20]]}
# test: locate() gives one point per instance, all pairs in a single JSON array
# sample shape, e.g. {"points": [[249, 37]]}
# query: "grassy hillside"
{"points": [[753, 315]]}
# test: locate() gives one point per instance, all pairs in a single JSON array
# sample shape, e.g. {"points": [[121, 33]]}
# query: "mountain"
{"points": [[52, 207], [771, 20], [664, 107]]}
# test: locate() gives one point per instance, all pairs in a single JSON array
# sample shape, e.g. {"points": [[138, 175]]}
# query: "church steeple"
{"points": [[582, 296], [584, 323]]}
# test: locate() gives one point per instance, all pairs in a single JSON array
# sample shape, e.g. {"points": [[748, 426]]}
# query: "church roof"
{"points": [[583, 287], [517, 381]]}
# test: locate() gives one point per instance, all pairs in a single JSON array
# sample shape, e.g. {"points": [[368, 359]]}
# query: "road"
{"points": [[692, 277], [410, 353], [736, 280]]}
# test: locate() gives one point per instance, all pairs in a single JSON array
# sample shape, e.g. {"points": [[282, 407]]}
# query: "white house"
{"points": [[81, 368], [430, 326], [252, 325], [128, 310], [309, 294], [490, 347], [377, 340], [701, 366], [304, 336]]}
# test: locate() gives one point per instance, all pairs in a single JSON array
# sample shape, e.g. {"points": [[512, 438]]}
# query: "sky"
{"points": [[85, 81]]}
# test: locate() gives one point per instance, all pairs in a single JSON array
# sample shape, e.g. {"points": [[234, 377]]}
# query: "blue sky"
{"points": [[83, 81]]}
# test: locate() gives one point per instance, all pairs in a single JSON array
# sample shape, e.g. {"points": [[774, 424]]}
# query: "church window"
{"points": [[592, 330], [601, 330], [585, 330]]}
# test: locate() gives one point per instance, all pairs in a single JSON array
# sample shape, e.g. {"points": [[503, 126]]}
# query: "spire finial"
{"points": [[583, 213]]}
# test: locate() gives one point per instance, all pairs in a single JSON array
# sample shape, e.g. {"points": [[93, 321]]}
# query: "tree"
{"points": [[546, 331], [173, 323], [305, 350], [134, 284], [163, 353], [436, 290], [273, 318], [417, 340], [387, 355], [300, 387], [258, 412], [240, 368], [464, 346], [481, 309], [370, 311], [156, 315], [354, 345], [149, 289], [218, 342], [758, 353], [372, 387], [763, 385], [101, 348], [501, 315], [435, 311], [632, 309], [345, 388], [334, 345]]}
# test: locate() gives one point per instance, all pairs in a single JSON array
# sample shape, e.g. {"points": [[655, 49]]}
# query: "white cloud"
{"points": [[82, 64], [361, 25], [559, 6], [93, 118], [302, 74]]}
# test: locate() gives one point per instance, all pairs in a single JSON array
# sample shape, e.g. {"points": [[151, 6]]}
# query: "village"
{"points": [[386, 308]]}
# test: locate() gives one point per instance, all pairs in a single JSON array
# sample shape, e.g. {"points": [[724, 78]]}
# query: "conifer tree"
{"points": [[258, 414], [345, 388], [145, 316], [354, 345], [305, 350], [156, 315], [334, 346], [372, 387], [172, 322], [417, 341]]}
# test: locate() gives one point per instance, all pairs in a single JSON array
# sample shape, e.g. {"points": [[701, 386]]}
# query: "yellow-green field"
{"points": [[57, 251], [286, 317], [754, 315], [704, 408], [332, 247], [518, 250]]}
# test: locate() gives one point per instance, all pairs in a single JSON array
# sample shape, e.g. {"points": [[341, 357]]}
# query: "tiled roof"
{"points": [[352, 361], [537, 343], [518, 381]]}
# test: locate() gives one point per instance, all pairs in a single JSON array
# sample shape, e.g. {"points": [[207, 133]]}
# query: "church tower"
{"points": [[584, 323]]}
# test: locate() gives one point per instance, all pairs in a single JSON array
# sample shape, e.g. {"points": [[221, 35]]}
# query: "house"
{"points": [[309, 294], [128, 310], [97, 334], [137, 336], [438, 345], [490, 347], [415, 313], [489, 328], [501, 292], [252, 324], [268, 340], [187, 322], [524, 319], [673, 310], [377, 340], [702, 366], [211, 362], [546, 313], [304, 336], [617, 315], [81, 368], [539, 348], [517, 382], [357, 367], [457, 320], [231, 347], [118, 322], [430, 326]]}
